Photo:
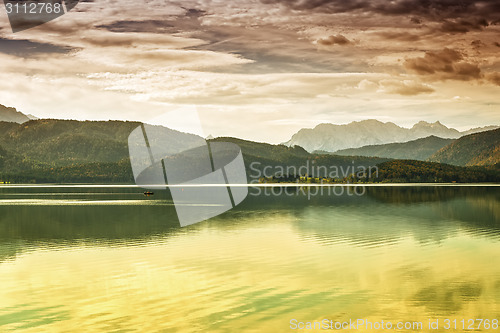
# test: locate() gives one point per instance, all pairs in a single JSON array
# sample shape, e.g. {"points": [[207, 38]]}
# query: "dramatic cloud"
{"points": [[434, 10], [445, 65], [260, 69]]}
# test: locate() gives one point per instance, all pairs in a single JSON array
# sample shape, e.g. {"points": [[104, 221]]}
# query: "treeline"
{"points": [[65, 151], [68, 151], [410, 171], [97, 172]]}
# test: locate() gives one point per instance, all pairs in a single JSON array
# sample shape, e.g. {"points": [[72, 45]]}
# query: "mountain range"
{"points": [[332, 138], [52, 150]]}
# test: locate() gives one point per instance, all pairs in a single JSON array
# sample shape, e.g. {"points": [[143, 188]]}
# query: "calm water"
{"points": [[101, 259]]}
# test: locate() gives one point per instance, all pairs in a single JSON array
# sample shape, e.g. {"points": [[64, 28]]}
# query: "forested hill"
{"points": [[67, 142], [70, 151], [277, 158], [471, 150], [420, 149], [411, 171], [51, 150]]}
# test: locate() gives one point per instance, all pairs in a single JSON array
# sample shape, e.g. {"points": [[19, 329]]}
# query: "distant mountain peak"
{"points": [[371, 121], [331, 137], [11, 115], [436, 124]]}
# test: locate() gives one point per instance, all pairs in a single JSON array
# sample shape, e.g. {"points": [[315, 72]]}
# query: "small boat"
{"points": [[148, 193]]}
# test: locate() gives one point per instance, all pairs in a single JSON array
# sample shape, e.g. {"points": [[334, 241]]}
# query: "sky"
{"points": [[260, 69]]}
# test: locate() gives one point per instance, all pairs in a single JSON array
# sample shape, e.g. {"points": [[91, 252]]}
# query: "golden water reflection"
{"points": [[252, 269]]}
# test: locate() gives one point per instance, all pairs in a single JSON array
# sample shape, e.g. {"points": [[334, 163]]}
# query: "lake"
{"points": [[109, 259]]}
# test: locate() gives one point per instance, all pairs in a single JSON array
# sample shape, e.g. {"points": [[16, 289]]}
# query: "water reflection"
{"points": [[398, 253]]}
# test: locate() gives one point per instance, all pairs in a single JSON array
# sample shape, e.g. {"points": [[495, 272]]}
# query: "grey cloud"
{"points": [[188, 21], [463, 26], [329, 6], [415, 20], [27, 48], [433, 10], [155, 26], [477, 43], [273, 50], [445, 64], [403, 36], [432, 62], [465, 71], [107, 41], [194, 13], [494, 78], [334, 39]]}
